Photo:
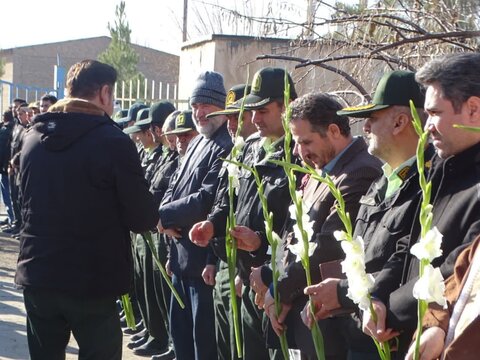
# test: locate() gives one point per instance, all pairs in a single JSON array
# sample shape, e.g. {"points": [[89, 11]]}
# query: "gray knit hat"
{"points": [[209, 89]]}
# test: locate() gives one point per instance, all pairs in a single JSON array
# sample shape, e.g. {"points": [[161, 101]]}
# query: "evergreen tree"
{"points": [[120, 53]]}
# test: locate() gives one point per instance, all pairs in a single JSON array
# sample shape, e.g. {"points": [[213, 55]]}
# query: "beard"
{"points": [[209, 129]]}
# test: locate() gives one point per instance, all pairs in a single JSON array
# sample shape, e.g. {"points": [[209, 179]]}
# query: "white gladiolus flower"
{"points": [[340, 235], [234, 174], [355, 247], [359, 286], [353, 265], [299, 250], [429, 247], [307, 227], [430, 287]]}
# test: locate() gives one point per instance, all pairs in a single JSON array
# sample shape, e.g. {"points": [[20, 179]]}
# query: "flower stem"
{"points": [[278, 305], [127, 308], [147, 236], [231, 249]]}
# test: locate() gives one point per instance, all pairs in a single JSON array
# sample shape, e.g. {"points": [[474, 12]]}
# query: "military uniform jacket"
{"points": [[249, 210], [456, 214], [381, 222], [190, 198], [150, 161], [166, 167]]}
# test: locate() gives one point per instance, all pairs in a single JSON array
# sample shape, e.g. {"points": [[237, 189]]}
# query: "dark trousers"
{"points": [[254, 341], [52, 316], [224, 326], [193, 328], [145, 292], [161, 290], [7, 201], [15, 198]]}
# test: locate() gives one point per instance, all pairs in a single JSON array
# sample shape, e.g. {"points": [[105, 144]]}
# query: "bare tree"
{"points": [[389, 34]]}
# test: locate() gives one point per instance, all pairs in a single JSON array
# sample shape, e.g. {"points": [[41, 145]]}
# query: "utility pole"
{"points": [[310, 18], [185, 12]]}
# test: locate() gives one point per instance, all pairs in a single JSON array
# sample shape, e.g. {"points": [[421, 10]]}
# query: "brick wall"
{"points": [[34, 65]]}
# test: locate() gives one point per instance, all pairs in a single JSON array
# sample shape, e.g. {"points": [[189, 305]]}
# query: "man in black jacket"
{"points": [[267, 103], [187, 201], [83, 192], [452, 97]]}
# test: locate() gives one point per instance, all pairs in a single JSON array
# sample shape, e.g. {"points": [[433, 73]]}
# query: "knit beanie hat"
{"points": [[209, 89]]}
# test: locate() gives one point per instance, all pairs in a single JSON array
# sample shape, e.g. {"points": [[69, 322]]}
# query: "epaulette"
{"points": [[403, 172]]}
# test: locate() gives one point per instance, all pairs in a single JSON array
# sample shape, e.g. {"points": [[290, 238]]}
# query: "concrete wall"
{"points": [[231, 55], [199, 57]]}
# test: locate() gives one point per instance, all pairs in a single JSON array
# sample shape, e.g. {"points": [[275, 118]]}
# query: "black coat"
{"points": [[190, 197], [456, 214], [83, 192]]}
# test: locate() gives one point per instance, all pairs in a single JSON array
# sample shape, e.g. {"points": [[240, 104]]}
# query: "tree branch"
{"points": [[439, 36], [342, 73]]}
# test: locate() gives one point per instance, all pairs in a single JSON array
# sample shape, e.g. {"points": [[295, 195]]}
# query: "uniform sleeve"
{"points": [[137, 205]]}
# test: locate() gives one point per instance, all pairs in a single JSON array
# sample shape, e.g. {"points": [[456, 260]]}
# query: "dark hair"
{"points": [[457, 74], [19, 100], [8, 115], [320, 110], [86, 77], [52, 99]]}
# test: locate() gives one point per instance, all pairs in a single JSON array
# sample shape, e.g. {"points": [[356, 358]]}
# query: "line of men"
{"points": [[378, 180], [387, 209]]}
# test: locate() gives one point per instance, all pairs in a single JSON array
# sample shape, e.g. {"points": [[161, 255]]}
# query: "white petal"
{"points": [[292, 209], [430, 287], [340, 235]]}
